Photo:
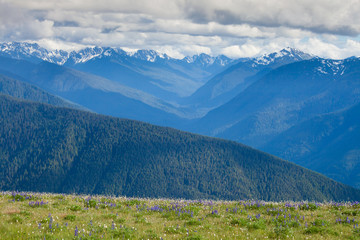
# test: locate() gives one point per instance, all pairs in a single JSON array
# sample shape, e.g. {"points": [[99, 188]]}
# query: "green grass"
{"points": [[55, 216]]}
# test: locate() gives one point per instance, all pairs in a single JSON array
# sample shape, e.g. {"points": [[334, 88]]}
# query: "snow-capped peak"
{"points": [[202, 59], [149, 55], [86, 54], [207, 60], [284, 54], [23, 50]]}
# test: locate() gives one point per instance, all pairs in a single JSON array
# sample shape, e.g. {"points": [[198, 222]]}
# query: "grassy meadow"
{"points": [[26, 215]]}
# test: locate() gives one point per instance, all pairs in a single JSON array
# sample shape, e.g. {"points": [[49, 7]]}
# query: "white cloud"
{"points": [[246, 50], [18, 24], [239, 28]]}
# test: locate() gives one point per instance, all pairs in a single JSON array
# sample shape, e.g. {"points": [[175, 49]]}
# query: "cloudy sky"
{"points": [[236, 28]]}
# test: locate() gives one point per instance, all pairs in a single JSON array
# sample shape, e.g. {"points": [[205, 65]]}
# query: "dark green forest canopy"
{"points": [[50, 149]]}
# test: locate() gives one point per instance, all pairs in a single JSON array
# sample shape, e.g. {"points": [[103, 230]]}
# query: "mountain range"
{"points": [[278, 106], [280, 102], [54, 149]]}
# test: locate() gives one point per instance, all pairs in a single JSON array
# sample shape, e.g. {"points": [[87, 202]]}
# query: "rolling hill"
{"points": [[51, 149]]}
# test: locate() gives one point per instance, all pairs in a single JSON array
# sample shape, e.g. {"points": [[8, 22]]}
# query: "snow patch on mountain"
{"points": [[331, 67]]}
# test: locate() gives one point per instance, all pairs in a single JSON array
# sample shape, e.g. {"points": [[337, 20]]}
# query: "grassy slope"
{"points": [[47, 216], [43, 148]]}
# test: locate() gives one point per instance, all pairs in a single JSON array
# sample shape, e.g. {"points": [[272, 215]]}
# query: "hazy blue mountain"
{"points": [[232, 81], [161, 77], [44, 148], [98, 94], [143, 85], [151, 72], [328, 144], [284, 98], [23, 90], [145, 70], [296, 112]]}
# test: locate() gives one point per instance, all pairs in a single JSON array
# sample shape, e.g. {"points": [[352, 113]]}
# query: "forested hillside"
{"points": [[27, 91], [45, 148], [328, 144]]}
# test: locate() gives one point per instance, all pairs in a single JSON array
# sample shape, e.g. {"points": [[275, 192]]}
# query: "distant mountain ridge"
{"points": [[24, 50], [232, 81]]}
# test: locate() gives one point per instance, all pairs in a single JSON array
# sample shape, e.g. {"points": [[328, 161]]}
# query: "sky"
{"points": [[235, 28]]}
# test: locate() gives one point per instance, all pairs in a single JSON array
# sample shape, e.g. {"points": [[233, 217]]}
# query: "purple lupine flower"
{"points": [[76, 231]]}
